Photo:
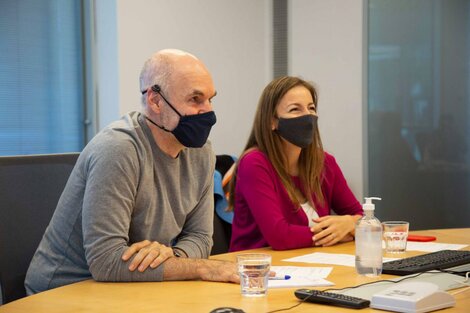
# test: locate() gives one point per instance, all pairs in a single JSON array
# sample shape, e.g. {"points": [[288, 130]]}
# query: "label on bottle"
{"points": [[368, 251]]}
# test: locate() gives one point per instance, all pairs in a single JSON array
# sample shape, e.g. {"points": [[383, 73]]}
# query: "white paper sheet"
{"points": [[329, 258], [432, 246], [300, 276]]}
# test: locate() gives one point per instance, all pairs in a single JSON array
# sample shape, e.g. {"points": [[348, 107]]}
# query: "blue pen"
{"points": [[285, 277]]}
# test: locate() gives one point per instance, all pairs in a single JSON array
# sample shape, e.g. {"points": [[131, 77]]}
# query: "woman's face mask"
{"points": [[298, 130]]}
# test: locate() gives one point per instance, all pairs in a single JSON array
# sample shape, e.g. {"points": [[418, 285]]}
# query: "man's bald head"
{"points": [[162, 68]]}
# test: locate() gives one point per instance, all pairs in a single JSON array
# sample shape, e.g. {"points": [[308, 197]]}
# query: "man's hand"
{"points": [[147, 253], [332, 229]]}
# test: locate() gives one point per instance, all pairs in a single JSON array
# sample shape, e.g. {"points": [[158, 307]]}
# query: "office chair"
{"points": [[30, 187], [221, 236], [222, 219]]}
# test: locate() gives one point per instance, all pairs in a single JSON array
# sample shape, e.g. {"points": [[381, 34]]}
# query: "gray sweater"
{"points": [[124, 189]]}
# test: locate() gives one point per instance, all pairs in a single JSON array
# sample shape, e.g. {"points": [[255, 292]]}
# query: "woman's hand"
{"points": [[147, 253], [332, 229]]}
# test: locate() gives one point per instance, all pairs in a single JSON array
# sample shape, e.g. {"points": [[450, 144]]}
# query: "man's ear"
{"points": [[153, 101]]}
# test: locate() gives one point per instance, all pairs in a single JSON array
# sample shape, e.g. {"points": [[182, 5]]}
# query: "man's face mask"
{"points": [[192, 131], [298, 130]]}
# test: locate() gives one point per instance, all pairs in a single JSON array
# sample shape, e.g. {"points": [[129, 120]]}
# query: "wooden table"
{"points": [[199, 296]]}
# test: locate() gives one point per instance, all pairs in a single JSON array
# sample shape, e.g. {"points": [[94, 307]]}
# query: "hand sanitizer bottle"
{"points": [[369, 242]]}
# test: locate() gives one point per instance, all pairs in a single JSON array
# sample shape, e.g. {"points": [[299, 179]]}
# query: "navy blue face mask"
{"points": [[192, 131], [298, 130]]}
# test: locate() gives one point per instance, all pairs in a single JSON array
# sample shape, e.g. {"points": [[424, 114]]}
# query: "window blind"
{"points": [[41, 75]]}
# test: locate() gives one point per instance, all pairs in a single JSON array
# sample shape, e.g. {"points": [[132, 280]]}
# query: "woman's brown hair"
{"points": [[269, 142]]}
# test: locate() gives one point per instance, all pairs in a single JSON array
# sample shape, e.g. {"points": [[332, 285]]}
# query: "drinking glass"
{"points": [[254, 273], [395, 234]]}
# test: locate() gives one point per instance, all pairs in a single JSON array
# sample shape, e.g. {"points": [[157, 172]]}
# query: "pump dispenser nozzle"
{"points": [[369, 205]]}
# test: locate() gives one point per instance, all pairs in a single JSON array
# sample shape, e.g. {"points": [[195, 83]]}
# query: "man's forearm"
{"points": [[195, 269], [181, 269]]}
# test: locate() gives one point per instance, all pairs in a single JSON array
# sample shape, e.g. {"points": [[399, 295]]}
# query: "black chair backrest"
{"points": [[221, 236], [222, 229], [30, 187]]}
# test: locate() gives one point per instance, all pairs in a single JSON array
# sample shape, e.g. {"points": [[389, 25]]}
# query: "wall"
{"points": [[233, 38], [326, 47]]}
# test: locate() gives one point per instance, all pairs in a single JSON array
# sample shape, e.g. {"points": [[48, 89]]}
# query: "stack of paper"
{"points": [[432, 246], [329, 258], [300, 276]]}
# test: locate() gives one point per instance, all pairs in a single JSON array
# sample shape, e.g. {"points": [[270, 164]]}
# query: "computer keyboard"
{"points": [[432, 261]]}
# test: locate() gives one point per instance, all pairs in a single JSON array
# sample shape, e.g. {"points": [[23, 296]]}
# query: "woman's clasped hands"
{"points": [[332, 229]]}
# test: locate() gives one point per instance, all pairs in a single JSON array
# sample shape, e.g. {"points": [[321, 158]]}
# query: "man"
{"points": [[138, 205]]}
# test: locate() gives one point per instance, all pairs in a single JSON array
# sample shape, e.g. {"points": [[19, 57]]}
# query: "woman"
{"points": [[285, 186]]}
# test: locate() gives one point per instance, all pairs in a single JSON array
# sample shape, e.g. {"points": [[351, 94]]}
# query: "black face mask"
{"points": [[192, 131], [298, 130]]}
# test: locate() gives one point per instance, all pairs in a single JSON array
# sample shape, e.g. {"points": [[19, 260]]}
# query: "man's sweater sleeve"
{"points": [[112, 177], [196, 236]]}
